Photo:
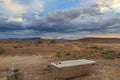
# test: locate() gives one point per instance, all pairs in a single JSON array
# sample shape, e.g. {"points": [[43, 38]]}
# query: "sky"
{"points": [[55, 19]]}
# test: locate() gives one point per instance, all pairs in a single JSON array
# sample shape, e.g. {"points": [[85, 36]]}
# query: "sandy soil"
{"points": [[35, 67], [33, 58]]}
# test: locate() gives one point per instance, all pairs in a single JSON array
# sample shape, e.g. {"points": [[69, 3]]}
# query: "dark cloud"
{"points": [[88, 19], [77, 20], [64, 21], [9, 26]]}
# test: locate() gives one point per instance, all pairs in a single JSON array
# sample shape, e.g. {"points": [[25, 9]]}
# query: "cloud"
{"points": [[11, 19], [89, 19], [96, 18], [108, 5], [65, 36], [19, 34], [13, 7], [6, 25], [17, 8], [1, 1], [75, 20], [104, 35]]}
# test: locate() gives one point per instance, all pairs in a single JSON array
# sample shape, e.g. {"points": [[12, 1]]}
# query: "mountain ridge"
{"points": [[99, 40]]}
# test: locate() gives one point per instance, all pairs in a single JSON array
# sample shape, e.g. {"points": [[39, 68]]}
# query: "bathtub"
{"points": [[72, 68]]}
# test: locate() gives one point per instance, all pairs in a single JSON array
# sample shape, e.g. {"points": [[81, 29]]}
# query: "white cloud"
{"points": [[103, 35], [65, 36], [11, 19], [12, 8], [106, 5], [36, 7], [93, 18]]}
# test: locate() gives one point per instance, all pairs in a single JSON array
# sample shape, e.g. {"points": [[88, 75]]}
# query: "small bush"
{"points": [[20, 46], [109, 54], [97, 47], [40, 41], [52, 41], [67, 54], [2, 50], [74, 55], [118, 56], [36, 44], [58, 54], [15, 46]]}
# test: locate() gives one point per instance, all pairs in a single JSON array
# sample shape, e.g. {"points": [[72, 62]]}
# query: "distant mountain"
{"points": [[34, 38], [58, 40], [83, 40], [99, 40]]}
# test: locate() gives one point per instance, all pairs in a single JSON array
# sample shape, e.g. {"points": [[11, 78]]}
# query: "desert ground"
{"points": [[32, 57]]}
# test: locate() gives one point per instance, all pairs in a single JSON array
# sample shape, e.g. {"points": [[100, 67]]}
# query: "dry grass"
{"points": [[33, 58], [35, 67], [81, 50]]}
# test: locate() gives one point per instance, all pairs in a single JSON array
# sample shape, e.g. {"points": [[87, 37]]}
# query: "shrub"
{"points": [[74, 55], [52, 41], [2, 50], [67, 54], [58, 54], [20, 46], [109, 54], [15, 46], [36, 44], [97, 47], [40, 41], [118, 56]]}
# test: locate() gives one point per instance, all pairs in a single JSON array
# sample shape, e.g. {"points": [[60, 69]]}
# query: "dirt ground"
{"points": [[35, 68], [32, 58]]}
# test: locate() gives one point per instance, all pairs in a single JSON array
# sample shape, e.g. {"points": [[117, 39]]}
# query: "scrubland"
{"points": [[32, 57]]}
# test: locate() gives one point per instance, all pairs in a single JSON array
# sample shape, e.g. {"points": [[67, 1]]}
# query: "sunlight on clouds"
{"points": [[15, 8], [106, 5], [92, 18], [103, 9], [115, 4], [65, 36], [15, 19], [105, 35]]}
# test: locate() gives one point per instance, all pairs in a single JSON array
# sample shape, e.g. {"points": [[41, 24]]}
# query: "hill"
{"points": [[99, 40]]}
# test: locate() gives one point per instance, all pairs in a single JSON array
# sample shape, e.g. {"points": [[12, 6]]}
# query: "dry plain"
{"points": [[32, 57]]}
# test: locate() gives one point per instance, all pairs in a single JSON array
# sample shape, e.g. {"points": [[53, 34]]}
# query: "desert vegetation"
{"points": [[60, 49], [2, 50], [33, 56]]}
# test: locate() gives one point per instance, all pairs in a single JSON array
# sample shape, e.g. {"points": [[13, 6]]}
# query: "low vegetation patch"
{"points": [[15, 46], [74, 55], [52, 41], [2, 50], [118, 56], [109, 54], [18, 46], [97, 47], [67, 54], [40, 41], [58, 54]]}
